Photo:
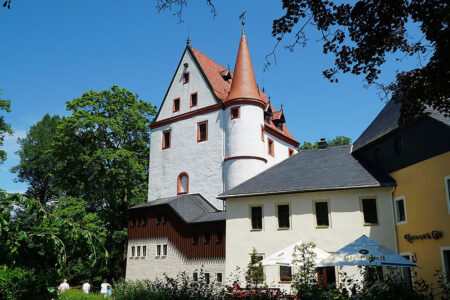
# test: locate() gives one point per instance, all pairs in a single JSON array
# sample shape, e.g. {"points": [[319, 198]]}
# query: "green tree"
{"points": [[5, 128], [37, 165], [104, 151], [362, 34], [337, 141], [255, 270], [32, 237]]}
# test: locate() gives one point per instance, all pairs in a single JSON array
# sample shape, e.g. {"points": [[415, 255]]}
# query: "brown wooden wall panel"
{"points": [[180, 234]]}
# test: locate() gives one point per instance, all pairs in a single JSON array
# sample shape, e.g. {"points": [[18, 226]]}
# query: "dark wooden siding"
{"points": [[177, 231], [423, 139]]}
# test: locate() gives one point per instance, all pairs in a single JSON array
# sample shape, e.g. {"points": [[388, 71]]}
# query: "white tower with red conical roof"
{"points": [[244, 139]]}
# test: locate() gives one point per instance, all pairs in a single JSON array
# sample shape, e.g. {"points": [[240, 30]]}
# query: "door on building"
{"points": [[326, 276], [407, 272]]}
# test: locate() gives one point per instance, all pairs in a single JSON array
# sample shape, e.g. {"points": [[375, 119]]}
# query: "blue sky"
{"points": [[52, 51]]}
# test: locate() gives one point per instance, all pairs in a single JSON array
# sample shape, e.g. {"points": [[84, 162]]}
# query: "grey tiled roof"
{"points": [[192, 208], [312, 170], [386, 121]]}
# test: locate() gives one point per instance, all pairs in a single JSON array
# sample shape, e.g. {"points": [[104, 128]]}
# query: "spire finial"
{"points": [[281, 107], [188, 40], [242, 18]]}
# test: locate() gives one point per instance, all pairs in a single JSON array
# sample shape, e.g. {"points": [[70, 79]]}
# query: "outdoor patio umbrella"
{"points": [[285, 256], [366, 252]]}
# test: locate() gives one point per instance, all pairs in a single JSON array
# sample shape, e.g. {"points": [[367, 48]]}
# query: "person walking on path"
{"points": [[86, 287], [104, 288], [63, 286]]}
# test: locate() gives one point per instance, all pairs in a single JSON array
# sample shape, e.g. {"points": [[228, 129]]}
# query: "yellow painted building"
{"points": [[417, 157], [424, 214]]}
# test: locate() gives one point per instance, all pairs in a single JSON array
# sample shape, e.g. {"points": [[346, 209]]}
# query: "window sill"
{"points": [[284, 282], [256, 230], [322, 226], [371, 224], [401, 223], [282, 229]]}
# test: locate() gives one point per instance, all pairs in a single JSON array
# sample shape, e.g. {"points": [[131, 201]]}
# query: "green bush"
{"points": [[18, 284], [75, 294], [179, 288]]}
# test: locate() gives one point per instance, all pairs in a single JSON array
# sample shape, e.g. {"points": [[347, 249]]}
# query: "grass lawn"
{"points": [[74, 294]]}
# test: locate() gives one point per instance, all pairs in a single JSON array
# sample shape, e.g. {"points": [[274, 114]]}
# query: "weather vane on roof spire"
{"points": [[242, 18], [188, 40]]}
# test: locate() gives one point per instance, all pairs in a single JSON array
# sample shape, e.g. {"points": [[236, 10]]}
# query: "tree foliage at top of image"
{"points": [[37, 165], [5, 128], [361, 34], [337, 141]]}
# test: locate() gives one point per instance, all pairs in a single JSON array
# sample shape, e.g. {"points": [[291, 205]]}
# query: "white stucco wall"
{"points": [[152, 266], [243, 138], [202, 161], [346, 225], [179, 90], [281, 150]]}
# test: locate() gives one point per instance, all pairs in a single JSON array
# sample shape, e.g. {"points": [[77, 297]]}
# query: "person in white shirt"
{"points": [[63, 286], [86, 287], [104, 288]]}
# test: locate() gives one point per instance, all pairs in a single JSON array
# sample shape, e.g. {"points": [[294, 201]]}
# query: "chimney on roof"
{"points": [[322, 143]]}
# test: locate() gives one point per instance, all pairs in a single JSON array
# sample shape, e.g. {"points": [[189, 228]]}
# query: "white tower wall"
{"points": [[244, 149]]}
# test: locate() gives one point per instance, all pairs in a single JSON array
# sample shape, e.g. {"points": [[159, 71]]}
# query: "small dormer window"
{"points": [[280, 126], [185, 77], [194, 99], [176, 104]]}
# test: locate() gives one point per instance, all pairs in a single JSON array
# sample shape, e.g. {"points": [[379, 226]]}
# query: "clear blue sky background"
{"points": [[52, 51]]}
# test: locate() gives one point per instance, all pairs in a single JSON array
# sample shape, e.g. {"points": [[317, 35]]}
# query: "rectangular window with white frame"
{"points": [[158, 250], [321, 210], [447, 191], [445, 255], [165, 250], [400, 210], [369, 211]]}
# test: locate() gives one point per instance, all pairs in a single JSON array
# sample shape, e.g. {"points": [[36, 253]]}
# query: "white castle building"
{"points": [[214, 130], [218, 139]]}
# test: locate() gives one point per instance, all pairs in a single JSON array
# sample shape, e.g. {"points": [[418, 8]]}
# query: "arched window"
{"points": [[183, 183]]}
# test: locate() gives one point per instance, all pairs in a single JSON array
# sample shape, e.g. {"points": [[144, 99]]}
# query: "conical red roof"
{"points": [[244, 83]]}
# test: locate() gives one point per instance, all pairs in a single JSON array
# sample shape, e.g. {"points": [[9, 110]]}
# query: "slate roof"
{"points": [[386, 122], [191, 208], [312, 170]]}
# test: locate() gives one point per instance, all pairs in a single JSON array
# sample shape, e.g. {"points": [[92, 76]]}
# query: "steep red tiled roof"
{"points": [[277, 115], [213, 72], [244, 82]]}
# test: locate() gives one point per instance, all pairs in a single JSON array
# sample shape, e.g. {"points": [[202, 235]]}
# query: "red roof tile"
{"points": [[213, 72]]}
